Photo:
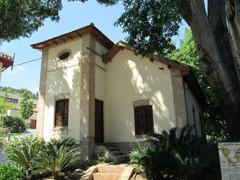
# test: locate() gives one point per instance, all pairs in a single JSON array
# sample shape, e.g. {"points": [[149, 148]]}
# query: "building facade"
{"points": [[100, 92]]}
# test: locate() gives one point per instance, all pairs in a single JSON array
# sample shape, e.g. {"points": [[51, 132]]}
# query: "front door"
{"points": [[98, 121]]}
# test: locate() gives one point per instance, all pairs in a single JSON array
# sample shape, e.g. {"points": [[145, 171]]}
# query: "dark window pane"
{"points": [[64, 55], [61, 112], [143, 117]]}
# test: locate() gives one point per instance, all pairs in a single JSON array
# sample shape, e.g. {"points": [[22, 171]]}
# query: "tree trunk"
{"points": [[216, 57], [233, 19]]}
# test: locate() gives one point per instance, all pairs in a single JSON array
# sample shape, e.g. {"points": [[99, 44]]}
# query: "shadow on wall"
{"points": [[63, 81], [147, 82]]}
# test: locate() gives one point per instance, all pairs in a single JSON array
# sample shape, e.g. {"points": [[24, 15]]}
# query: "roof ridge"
{"points": [[89, 29]]}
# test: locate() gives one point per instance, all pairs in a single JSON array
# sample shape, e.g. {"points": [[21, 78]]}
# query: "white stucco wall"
{"points": [[100, 74], [191, 103], [130, 78], [63, 81]]}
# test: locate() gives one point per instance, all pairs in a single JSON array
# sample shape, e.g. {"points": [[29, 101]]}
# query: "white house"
{"points": [[100, 92]]}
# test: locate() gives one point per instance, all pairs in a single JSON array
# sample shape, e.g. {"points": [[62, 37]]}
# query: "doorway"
{"points": [[99, 137]]}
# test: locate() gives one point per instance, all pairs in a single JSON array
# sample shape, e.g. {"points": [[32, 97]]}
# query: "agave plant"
{"points": [[23, 152], [58, 155]]}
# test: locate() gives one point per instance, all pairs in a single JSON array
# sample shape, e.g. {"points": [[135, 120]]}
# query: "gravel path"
{"points": [[3, 157]]}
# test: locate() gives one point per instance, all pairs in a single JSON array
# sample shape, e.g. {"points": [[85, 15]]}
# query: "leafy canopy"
{"points": [[187, 51], [20, 18], [149, 23]]}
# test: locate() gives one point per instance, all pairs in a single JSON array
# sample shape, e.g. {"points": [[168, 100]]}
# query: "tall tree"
{"points": [[26, 105], [214, 122]]}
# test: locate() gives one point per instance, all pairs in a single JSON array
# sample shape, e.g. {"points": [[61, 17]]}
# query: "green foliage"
{"points": [[20, 18], [150, 24], [10, 172], [26, 105], [2, 131], [187, 51], [57, 156], [184, 157], [4, 106], [15, 123], [214, 122], [24, 152], [17, 91], [36, 157]]}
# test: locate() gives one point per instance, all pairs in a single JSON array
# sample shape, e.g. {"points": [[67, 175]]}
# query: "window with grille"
{"points": [[61, 113], [143, 117], [12, 100]]}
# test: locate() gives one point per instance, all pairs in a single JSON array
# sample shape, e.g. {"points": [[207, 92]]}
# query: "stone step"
{"points": [[117, 152], [109, 172], [121, 158], [112, 148], [110, 169], [106, 176], [113, 154]]}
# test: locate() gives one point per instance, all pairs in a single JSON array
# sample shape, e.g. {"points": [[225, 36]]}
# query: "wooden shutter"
{"points": [[61, 112], [143, 117]]}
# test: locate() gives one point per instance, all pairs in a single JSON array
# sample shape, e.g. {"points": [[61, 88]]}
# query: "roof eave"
{"points": [[91, 29]]}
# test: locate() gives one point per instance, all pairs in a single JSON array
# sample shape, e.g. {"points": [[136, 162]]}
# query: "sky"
{"points": [[74, 15]]}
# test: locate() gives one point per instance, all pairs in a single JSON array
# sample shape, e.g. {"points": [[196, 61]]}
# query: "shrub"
{"points": [[24, 152], [35, 157], [57, 156], [184, 157], [10, 172], [2, 131], [17, 124]]}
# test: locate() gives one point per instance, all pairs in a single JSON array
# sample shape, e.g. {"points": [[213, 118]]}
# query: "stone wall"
{"points": [[179, 98], [42, 93], [87, 101]]}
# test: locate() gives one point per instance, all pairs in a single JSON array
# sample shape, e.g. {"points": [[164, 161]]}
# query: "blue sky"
{"points": [[73, 15]]}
